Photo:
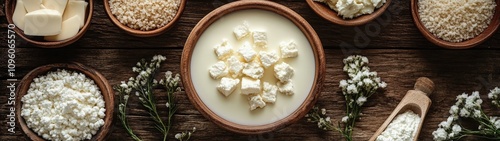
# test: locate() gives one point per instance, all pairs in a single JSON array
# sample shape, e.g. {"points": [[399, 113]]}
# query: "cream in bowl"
{"points": [[254, 68]]}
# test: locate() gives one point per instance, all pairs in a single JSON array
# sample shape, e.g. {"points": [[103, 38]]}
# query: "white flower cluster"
{"points": [[467, 106], [494, 95], [184, 136], [319, 116]]}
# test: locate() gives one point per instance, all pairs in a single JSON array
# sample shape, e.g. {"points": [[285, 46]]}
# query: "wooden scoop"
{"points": [[416, 100]]}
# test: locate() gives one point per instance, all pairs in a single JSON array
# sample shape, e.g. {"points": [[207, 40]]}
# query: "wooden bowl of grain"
{"points": [[233, 112], [331, 15], [469, 43], [99, 80], [146, 32], [39, 40]]}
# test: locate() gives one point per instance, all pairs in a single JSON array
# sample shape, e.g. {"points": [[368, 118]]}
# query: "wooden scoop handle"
{"points": [[425, 85]]}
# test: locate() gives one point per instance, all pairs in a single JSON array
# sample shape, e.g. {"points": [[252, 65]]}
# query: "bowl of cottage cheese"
{"points": [[67, 101], [253, 66], [349, 12]]}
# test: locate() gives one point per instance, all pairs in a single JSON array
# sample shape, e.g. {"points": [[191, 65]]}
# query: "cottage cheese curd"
{"points": [[353, 8]]}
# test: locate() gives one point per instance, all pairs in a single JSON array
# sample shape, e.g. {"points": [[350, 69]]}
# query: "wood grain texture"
{"points": [[399, 53]]}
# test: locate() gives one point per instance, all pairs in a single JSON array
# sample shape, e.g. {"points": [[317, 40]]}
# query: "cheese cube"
{"points": [[32, 5], [227, 85], [269, 93], [241, 31], [235, 66], [256, 102], [268, 58], [19, 13], [286, 87], [260, 38], [218, 70], [289, 49], [249, 86], [247, 51], [69, 29], [43, 22], [254, 70], [283, 71], [76, 8], [223, 50], [58, 5]]}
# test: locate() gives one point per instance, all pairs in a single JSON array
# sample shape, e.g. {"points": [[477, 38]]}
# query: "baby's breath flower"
{"points": [[167, 104], [361, 100], [345, 118], [323, 111], [178, 136], [494, 96]]}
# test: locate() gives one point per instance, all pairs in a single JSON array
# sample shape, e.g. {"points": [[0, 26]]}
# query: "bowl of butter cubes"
{"points": [[253, 66], [49, 23]]}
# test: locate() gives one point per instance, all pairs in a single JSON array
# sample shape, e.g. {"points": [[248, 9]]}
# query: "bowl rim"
{"points": [[332, 15], [148, 33], [469, 43], [105, 88], [215, 15], [9, 11]]}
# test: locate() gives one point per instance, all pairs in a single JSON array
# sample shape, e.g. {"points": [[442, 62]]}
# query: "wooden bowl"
{"points": [[487, 33], [331, 15], [38, 40], [100, 81], [149, 33], [197, 95]]}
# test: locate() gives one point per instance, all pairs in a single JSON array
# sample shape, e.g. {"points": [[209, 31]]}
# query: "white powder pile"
{"points": [[402, 128], [456, 20], [63, 105], [144, 14]]}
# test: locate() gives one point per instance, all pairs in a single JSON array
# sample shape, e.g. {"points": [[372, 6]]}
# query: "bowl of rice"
{"points": [[456, 24], [66, 101], [145, 18]]}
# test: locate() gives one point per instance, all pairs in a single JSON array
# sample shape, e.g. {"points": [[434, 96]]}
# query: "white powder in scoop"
{"points": [[63, 105], [402, 128]]}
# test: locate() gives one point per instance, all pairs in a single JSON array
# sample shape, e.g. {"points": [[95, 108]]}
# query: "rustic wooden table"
{"points": [[396, 49]]}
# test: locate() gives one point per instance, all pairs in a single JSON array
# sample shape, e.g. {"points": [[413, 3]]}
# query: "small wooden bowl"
{"points": [[487, 33], [100, 81], [331, 15], [268, 6], [38, 41], [149, 33]]}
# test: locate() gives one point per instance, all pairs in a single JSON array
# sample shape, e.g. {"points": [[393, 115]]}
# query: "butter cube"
{"points": [[289, 49], [235, 66], [227, 85], [260, 38], [69, 29], [19, 13], [43, 22], [256, 102], [218, 70], [58, 5], [241, 31], [268, 58], [32, 5], [76, 8], [254, 70], [247, 52], [283, 71], [269, 93], [223, 50], [249, 86], [286, 88]]}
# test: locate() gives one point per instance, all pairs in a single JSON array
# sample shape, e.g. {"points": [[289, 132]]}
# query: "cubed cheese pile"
{"points": [[54, 19], [246, 66]]}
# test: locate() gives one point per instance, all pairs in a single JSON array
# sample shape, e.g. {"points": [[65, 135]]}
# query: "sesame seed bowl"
{"points": [[39, 41], [29, 86], [129, 20], [469, 43], [331, 15], [234, 110]]}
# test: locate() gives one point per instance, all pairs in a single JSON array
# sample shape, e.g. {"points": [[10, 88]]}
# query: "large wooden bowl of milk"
{"points": [[233, 112]]}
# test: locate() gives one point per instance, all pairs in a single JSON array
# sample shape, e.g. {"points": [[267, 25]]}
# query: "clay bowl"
{"points": [[100, 81], [487, 33], [149, 33], [279, 117], [331, 15], [38, 41]]}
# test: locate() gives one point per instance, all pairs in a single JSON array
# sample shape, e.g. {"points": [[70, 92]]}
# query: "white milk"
{"points": [[235, 107]]}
